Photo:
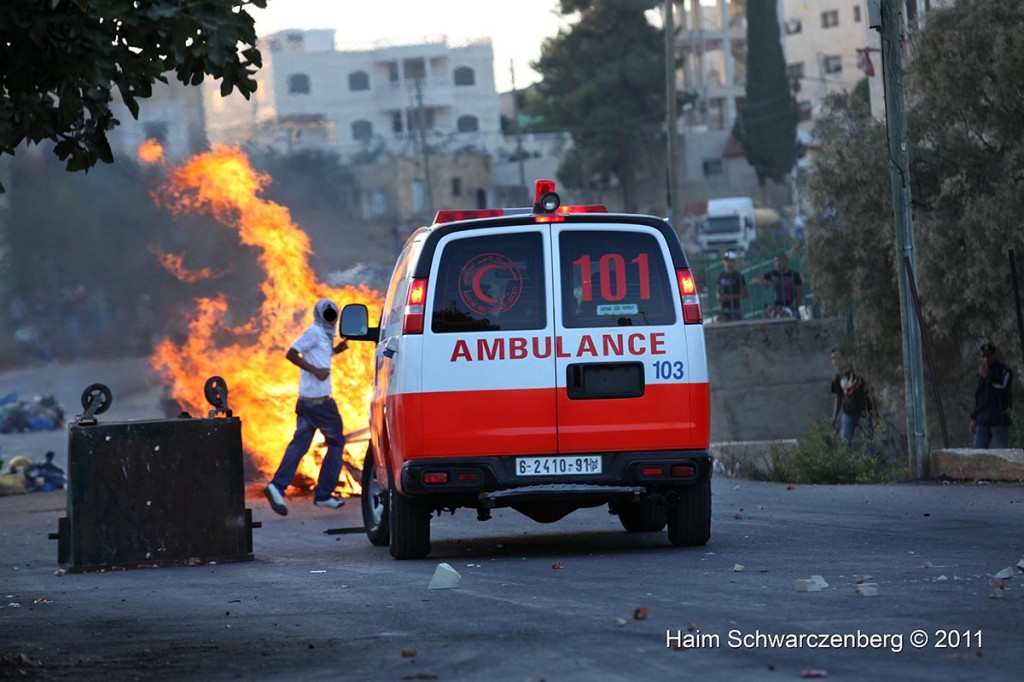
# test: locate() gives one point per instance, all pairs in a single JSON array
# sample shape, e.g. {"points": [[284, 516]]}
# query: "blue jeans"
{"points": [[847, 425], [311, 416], [998, 435]]}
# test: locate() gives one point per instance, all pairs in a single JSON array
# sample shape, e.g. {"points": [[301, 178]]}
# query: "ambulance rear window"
{"points": [[490, 283], [614, 279]]}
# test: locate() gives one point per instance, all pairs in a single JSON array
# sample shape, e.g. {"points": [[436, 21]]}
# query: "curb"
{"points": [[968, 464]]}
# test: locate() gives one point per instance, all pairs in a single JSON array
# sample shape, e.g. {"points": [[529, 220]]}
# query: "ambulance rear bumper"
{"points": [[492, 480]]}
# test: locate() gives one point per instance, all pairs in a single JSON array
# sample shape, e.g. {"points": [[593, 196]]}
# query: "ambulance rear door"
{"points": [[623, 367], [488, 369]]}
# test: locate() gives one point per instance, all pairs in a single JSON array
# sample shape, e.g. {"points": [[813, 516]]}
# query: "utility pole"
{"points": [[421, 124], [674, 209], [524, 195], [885, 16]]}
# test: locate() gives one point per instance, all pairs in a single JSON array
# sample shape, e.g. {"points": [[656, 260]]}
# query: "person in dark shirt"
{"points": [[787, 284], [732, 288], [853, 399], [993, 401]]}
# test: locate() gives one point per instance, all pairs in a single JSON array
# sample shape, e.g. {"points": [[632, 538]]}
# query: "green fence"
{"points": [[761, 302]]}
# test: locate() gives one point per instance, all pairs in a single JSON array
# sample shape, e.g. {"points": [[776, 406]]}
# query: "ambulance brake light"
{"points": [[414, 307], [691, 301]]}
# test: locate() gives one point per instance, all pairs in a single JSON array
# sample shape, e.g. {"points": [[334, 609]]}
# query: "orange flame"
{"points": [[250, 357], [151, 152], [175, 264]]}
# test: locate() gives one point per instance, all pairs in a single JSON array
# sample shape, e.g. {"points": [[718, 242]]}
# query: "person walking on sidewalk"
{"points": [[315, 409], [990, 418]]}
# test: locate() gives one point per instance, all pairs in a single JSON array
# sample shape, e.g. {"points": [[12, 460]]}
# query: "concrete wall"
{"points": [[770, 379]]}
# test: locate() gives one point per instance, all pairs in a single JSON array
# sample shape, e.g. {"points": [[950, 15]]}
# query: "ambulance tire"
{"points": [[374, 501], [409, 520], [646, 516], [689, 522]]}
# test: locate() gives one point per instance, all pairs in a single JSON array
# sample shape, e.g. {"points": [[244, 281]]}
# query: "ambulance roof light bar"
{"points": [[545, 203]]}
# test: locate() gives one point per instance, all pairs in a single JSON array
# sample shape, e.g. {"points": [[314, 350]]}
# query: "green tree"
{"points": [[967, 169], [61, 60], [766, 125], [604, 81]]}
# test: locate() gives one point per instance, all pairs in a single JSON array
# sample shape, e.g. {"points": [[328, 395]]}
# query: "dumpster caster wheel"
{"points": [[99, 395], [216, 391]]}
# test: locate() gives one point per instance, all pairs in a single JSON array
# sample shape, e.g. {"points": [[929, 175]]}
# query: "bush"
{"points": [[821, 456]]}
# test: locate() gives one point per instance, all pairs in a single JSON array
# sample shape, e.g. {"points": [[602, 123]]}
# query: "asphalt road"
{"points": [[580, 599]]}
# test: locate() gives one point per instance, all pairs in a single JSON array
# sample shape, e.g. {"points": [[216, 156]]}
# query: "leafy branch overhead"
{"points": [[62, 60]]}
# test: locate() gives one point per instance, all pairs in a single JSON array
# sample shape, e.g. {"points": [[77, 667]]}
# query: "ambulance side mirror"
{"points": [[355, 324]]}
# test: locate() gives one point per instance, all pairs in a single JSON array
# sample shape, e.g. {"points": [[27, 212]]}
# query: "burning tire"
{"points": [[647, 516], [374, 504], [409, 521], [689, 522]]}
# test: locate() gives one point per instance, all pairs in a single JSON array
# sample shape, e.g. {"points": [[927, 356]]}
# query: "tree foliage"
{"points": [[604, 80], [967, 172], [766, 125], [61, 60]]}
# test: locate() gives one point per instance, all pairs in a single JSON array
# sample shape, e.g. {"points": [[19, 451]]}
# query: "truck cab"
{"points": [[730, 225]]}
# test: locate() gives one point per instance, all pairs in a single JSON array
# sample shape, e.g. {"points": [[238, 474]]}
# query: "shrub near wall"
{"points": [[821, 456]]}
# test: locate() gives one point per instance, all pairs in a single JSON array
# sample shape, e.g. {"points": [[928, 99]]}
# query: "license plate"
{"points": [[557, 466]]}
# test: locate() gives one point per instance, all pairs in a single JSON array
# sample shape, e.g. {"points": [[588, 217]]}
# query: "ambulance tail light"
{"points": [[414, 307], [691, 301]]}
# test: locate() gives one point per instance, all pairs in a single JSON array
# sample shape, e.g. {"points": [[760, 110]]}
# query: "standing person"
{"points": [[315, 409], [732, 288], [993, 401], [853, 399], [788, 286]]}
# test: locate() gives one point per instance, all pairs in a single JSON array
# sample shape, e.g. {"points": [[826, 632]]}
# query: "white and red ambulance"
{"points": [[542, 359]]}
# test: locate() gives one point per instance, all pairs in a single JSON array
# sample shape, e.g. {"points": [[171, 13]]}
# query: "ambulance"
{"points": [[543, 359]]}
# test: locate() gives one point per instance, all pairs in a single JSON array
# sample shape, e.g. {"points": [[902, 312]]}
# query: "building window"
{"points": [[712, 167], [358, 80], [456, 187], [362, 130], [830, 18], [468, 124], [794, 26], [465, 76], [298, 84], [795, 71], [856, 14], [833, 63], [396, 122], [295, 42], [414, 69]]}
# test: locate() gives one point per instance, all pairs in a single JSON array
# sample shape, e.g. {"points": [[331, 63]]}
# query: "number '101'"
{"points": [[612, 275]]}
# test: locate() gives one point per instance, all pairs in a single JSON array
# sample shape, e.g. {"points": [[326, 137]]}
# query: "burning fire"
{"points": [[250, 357]]}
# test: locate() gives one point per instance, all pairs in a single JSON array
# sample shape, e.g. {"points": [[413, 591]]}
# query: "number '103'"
{"points": [[666, 369]]}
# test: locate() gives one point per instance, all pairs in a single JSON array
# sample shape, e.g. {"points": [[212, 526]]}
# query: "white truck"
{"points": [[728, 226]]}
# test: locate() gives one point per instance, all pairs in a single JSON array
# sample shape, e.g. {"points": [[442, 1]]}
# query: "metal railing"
{"points": [[761, 301]]}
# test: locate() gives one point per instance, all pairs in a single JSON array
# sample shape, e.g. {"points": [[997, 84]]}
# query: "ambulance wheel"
{"points": [[689, 522], [409, 521], [646, 516], [374, 504]]}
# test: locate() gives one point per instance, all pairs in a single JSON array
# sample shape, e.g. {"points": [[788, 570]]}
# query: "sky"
{"points": [[516, 27]]}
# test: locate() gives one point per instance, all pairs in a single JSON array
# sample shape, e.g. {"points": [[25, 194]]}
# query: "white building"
{"points": [[386, 95]]}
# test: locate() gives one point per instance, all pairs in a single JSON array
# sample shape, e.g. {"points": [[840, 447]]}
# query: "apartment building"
{"points": [[395, 96]]}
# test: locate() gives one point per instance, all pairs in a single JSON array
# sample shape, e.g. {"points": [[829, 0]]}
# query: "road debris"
{"points": [[558, 565], [408, 653], [813, 584], [866, 590], [445, 577], [738, 568], [640, 613], [1004, 574], [620, 621]]}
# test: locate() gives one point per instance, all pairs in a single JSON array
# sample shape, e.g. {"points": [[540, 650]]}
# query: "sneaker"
{"points": [[276, 499], [330, 503]]}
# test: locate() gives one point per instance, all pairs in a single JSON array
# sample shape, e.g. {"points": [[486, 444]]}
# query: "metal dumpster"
{"points": [[154, 493]]}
